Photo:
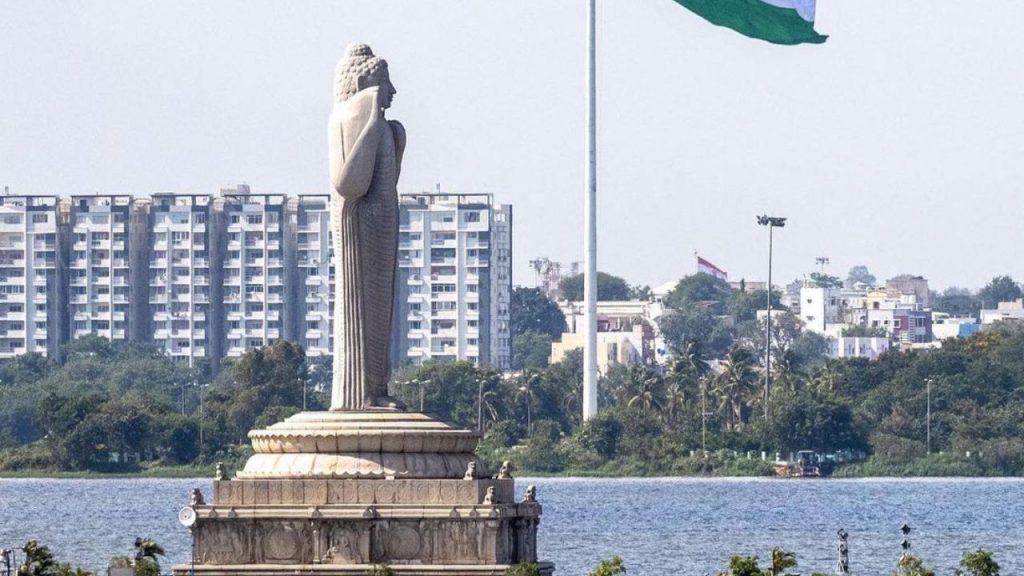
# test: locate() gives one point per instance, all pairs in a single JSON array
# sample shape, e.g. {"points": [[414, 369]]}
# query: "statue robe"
{"points": [[365, 158]]}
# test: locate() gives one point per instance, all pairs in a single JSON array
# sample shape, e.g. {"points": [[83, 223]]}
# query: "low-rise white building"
{"points": [[858, 347], [1004, 311], [627, 332]]}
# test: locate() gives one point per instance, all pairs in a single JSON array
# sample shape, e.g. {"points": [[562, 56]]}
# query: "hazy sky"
{"points": [[897, 144]]}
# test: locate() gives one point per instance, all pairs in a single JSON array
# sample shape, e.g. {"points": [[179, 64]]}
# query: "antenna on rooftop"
{"points": [[822, 261]]}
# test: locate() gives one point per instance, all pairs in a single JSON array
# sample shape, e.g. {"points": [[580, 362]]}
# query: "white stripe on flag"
{"points": [[805, 8]]}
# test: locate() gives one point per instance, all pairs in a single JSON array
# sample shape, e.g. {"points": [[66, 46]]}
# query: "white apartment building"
{"points": [[254, 269], [180, 276], [313, 259], [451, 286], [205, 277], [29, 275], [820, 307], [99, 266]]}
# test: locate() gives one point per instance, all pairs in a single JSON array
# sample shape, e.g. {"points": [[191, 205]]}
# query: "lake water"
{"points": [[659, 527]]}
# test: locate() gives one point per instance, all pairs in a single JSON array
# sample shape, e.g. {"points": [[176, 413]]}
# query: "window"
{"points": [[472, 217], [40, 218]]}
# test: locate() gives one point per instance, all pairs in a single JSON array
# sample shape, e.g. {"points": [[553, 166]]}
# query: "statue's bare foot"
{"points": [[387, 402]]}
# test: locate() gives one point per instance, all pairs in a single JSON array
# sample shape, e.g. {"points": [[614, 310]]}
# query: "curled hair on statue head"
{"points": [[358, 69]]}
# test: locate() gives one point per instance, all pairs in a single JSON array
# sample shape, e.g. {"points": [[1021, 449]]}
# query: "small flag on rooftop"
{"points": [[776, 21]]}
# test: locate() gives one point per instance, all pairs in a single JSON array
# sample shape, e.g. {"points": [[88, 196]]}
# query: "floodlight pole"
{"points": [[771, 222], [590, 226]]}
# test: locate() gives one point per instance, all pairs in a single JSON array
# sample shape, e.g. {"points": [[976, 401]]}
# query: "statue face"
{"points": [[387, 90]]}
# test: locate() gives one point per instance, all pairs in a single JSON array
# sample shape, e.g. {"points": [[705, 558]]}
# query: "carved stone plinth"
{"points": [[335, 493]]}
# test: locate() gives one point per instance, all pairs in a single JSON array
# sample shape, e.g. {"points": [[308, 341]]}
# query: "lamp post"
{"points": [[704, 416], [479, 406], [422, 383], [822, 261], [200, 387], [8, 559], [928, 415], [771, 222], [529, 424]]}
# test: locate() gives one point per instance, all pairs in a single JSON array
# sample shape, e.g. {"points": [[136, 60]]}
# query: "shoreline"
{"points": [[190, 473]]}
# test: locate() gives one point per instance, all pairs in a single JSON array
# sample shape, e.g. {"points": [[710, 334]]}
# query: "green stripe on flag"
{"points": [[757, 19]]}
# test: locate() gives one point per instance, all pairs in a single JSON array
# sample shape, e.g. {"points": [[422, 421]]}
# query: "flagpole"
{"points": [[590, 226]]}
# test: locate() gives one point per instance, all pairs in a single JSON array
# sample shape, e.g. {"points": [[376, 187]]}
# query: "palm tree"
{"points": [[571, 403], [781, 561], [527, 391], [490, 398], [826, 379], [645, 389], [735, 384], [786, 370], [675, 402]]}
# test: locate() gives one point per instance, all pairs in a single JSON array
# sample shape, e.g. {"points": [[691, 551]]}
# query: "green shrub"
{"points": [[523, 570], [610, 567], [978, 563]]}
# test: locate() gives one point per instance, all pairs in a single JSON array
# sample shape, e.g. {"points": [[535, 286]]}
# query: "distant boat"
{"points": [[807, 464]]}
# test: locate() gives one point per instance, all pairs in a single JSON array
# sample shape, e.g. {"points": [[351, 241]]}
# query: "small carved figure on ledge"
{"points": [[505, 472], [197, 498], [221, 473], [470, 472], [491, 496], [531, 494]]}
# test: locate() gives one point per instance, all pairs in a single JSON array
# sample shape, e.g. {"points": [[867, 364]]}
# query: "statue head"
{"points": [[358, 70]]}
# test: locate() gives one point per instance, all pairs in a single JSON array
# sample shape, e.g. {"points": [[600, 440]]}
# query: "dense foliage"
{"points": [[115, 407], [119, 407]]}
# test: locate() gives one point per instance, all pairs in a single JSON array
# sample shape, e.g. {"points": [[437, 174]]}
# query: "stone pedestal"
{"points": [[334, 493]]}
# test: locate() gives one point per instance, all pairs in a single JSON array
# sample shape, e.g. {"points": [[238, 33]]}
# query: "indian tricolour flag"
{"points": [[706, 267], [776, 21]]}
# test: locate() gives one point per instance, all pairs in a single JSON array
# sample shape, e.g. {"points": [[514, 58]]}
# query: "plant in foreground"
{"points": [[978, 563], [610, 567], [39, 561], [910, 565], [380, 570], [525, 569]]}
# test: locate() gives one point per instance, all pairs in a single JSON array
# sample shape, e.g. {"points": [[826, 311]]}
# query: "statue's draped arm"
{"points": [[351, 176], [399, 133]]}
